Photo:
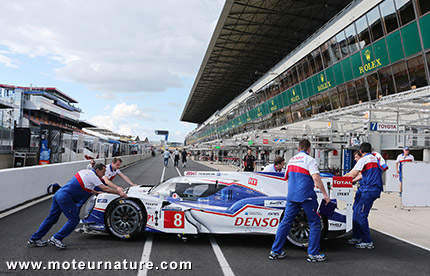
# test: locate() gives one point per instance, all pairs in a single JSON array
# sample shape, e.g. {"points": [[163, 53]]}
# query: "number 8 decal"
{"points": [[178, 220], [174, 219]]}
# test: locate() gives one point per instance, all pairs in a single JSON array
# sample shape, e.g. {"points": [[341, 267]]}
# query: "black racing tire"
{"points": [[299, 232], [125, 218]]}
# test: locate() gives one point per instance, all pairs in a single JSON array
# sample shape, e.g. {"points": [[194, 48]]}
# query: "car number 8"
{"points": [[177, 220]]}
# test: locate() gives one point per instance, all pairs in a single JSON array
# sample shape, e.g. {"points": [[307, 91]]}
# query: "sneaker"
{"points": [[274, 256], [365, 245], [316, 258], [38, 243], [57, 243], [353, 241]]}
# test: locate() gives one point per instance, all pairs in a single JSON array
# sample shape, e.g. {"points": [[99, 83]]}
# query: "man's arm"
{"points": [[397, 167], [353, 174], [357, 178], [112, 185], [109, 190], [317, 179], [127, 179]]}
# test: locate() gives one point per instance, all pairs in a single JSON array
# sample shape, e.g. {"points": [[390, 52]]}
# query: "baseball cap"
{"points": [[406, 148]]}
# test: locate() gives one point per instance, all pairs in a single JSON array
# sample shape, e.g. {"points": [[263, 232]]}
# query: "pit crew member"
{"points": [[302, 174], [370, 189], [278, 166], [65, 200], [111, 171], [401, 159]]}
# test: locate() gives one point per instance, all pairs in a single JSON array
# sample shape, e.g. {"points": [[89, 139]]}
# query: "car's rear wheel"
{"points": [[300, 230], [125, 218]]}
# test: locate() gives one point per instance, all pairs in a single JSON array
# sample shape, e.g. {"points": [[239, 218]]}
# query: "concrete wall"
{"points": [[19, 185], [6, 160]]}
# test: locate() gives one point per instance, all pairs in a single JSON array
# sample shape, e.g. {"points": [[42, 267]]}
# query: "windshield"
{"points": [[185, 190]]}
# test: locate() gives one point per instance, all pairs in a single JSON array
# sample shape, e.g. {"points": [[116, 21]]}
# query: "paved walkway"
{"points": [[387, 215]]}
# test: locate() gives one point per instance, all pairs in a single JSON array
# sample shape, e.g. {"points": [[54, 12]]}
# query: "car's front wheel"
{"points": [[125, 218], [300, 230]]}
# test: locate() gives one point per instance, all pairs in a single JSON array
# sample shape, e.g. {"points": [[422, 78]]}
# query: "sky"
{"points": [[130, 64]]}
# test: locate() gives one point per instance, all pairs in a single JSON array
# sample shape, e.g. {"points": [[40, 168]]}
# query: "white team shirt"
{"points": [[110, 173], [401, 158], [90, 179]]}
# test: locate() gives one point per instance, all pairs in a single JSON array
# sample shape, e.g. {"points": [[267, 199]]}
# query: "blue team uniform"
{"points": [[370, 189], [301, 194], [66, 200]]}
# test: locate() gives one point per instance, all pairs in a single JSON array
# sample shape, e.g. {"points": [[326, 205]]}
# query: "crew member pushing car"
{"points": [[65, 200], [302, 174], [370, 189]]}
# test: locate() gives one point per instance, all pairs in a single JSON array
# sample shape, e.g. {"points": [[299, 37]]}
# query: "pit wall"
{"points": [[24, 184]]}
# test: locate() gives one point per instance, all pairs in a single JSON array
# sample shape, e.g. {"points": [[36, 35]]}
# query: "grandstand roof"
{"points": [[251, 37]]}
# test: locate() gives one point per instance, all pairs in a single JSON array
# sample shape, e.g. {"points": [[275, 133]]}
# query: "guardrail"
{"points": [[23, 184]]}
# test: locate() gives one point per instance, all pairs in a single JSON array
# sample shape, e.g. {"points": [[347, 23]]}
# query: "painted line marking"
{"points": [[145, 255], [162, 174], [403, 240], [178, 171], [226, 269], [19, 208]]}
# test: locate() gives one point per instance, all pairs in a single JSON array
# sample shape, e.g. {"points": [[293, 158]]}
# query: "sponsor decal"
{"points": [[252, 213], [275, 203], [151, 218], [342, 182], [395, 175], [273, 214], [102, 200], [252, 181], [151, 203], [190, 173], [342, 194], [371, 64], [336, 224], [256, 222], [175, 196], [265, 141]]}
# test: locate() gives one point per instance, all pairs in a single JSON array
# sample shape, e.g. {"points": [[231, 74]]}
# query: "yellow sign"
{"points": [[295, 97], [324, 85], [273, 107], [370, 65]]}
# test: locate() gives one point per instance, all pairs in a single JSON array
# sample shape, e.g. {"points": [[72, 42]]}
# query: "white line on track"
{"points": [[178, 171], [145, 255], [19, 208], [162, 174], [403, 240], [226, 269]]}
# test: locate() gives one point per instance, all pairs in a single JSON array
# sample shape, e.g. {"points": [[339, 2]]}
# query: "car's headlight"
{"points": [[88, 206]]}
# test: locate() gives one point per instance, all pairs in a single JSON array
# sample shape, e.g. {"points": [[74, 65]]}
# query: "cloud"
{"points": [[6, 61], [122, 120], [117, 46], [176, 104], [123, 110]]}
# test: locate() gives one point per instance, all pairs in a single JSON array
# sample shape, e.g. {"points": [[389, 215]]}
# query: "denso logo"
{"points": [[342, 182], [190, 173], [252, 181], [258, 222]]}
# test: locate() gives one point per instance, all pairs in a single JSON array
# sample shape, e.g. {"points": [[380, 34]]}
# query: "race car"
{"points": [[213, 202]]}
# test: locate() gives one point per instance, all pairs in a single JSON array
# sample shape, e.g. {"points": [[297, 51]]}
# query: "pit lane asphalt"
{"points": [[246, 255]]}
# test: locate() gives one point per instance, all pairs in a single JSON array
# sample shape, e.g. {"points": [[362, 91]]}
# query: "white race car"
{"points": [[213, 202]]}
